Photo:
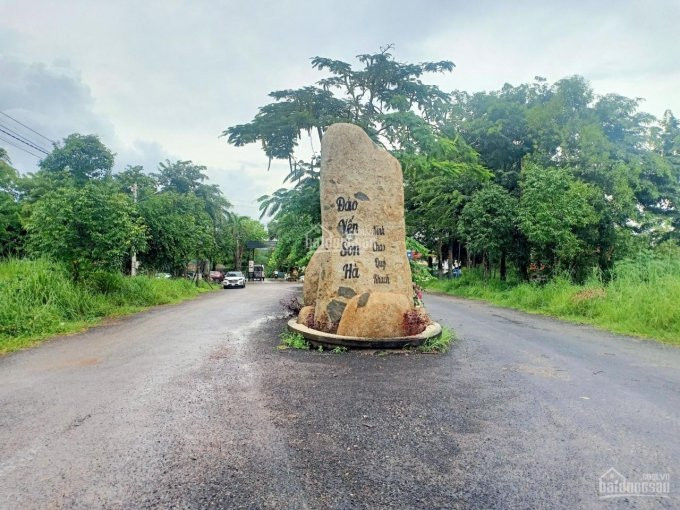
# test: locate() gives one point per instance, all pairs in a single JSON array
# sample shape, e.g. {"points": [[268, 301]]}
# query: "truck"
{"points": [[258, 272]]}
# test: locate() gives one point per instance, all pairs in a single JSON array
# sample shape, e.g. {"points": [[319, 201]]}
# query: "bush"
{"points": [[420, 274], [414, 322]]}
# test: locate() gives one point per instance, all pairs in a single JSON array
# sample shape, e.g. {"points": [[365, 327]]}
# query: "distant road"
{"points": [[192, 406]]}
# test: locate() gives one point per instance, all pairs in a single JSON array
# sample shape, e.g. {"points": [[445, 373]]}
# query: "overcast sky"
{"points": [[162, 79]]}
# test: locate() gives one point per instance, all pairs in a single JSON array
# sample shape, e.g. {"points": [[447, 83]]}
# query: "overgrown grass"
{"points": [[38, 299], [642, 298], [291, 340]]}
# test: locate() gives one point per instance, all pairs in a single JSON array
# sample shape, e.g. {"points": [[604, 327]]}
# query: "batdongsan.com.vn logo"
{"points": [[613, 484]]}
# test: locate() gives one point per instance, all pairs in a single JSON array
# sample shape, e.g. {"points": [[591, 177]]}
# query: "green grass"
{"points": [[642, 298], [38, 299], [438, 344], [290, 340]]}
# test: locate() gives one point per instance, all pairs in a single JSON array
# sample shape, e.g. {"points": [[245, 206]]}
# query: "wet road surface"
{"points": [[192, 406]]}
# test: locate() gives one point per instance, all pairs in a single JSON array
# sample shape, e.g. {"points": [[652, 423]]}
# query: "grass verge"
{"points": [[641, 299], [38, 299]]}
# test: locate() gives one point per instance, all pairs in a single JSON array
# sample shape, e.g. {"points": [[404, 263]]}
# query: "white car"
{"points": [[234, 279]]}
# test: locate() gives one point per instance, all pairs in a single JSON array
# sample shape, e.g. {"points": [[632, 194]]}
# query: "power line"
{"points": [[24, 142], [24, 139], [33, 130], [20, 148]]}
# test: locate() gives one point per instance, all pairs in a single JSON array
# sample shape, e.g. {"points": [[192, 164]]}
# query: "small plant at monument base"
{"points": [[414, 322], [438, 344], [292, 306], [290, 340], [339, 349]]}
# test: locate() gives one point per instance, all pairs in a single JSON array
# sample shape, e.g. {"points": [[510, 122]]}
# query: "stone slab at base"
{"points": [[329, 339]]}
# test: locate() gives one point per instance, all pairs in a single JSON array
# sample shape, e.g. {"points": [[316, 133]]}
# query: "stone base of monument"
{"points": [[316, 338]]}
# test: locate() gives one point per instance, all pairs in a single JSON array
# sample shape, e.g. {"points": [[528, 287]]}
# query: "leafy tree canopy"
{"points": [[79, 157]]}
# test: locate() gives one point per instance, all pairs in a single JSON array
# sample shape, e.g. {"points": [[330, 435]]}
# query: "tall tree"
{"points": [[79, 157], [236, 233], [385, 97], [180, 230], [11, 231], [488, 224]]}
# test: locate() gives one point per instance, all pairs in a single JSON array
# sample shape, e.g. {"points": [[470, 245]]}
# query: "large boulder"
{"points": [[363, 231], [375, 315]]}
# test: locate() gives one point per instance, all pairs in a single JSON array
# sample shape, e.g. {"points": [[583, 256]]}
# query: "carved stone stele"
{"points": [[363, 247]]}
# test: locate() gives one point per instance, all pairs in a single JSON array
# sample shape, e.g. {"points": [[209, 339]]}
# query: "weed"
{"points": [[290, 340], [338, 349], [440, 343]]}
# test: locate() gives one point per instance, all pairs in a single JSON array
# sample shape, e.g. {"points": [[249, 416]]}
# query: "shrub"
{"points": [[292, 306], [414, 322]]}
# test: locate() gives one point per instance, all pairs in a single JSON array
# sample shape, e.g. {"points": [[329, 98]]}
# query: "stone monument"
{"points": [[358, 282]]}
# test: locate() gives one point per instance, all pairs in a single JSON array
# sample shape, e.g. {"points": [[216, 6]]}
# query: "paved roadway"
{"points": [[192, 406]]}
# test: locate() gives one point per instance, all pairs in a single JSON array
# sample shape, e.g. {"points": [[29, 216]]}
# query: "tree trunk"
{"points": [[450, 257], [504, 269], [439, 258]]}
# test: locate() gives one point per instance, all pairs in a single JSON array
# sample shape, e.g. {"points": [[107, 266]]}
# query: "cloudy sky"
{"points": [[162, 79]]}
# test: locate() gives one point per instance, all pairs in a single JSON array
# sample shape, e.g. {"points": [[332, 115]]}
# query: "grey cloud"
{"points": [[170, 76], [54, 101]]}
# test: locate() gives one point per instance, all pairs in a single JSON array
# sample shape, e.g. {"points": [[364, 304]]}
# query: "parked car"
{"points": [[234, 279]]}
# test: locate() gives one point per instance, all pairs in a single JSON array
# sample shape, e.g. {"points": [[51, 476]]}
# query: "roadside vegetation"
{"points": [[639, 298], [40, 298], [70, 231]]}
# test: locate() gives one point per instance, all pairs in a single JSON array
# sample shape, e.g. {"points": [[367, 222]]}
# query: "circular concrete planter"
{"points": [[329, 339]]}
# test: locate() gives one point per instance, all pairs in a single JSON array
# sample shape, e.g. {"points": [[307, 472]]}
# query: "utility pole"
{"points": [[133, 263]]}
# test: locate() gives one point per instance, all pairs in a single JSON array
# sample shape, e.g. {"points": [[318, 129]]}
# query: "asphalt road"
{"points": [[192, 406]]}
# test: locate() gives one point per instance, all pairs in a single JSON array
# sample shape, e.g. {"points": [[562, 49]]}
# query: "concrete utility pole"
{"points": [[133, 262]]}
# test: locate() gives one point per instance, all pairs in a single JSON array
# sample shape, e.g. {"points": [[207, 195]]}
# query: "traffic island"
{"points": [[358, 289], [319, 338]]}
